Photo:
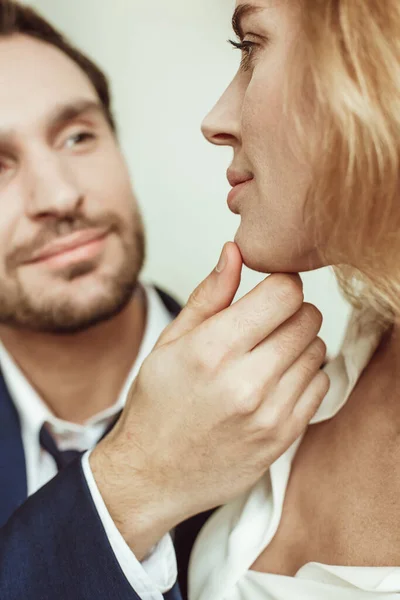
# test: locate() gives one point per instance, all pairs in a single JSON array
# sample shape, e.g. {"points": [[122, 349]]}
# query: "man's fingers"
{"points": [[310, 401], [300, 375], [254, 317], [279, 395], [286, 344], [213, 295]]}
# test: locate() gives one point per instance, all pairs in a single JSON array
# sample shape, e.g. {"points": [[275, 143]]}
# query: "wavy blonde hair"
{"points": [[350, 72]]}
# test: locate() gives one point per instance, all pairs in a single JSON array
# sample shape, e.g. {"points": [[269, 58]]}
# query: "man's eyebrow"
{"points": [[65, 113], [242, 11], [60, 116]]}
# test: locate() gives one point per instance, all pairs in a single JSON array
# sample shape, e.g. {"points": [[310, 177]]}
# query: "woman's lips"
{"points": [[234, 193]]}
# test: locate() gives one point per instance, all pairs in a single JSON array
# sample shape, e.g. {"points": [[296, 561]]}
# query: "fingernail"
{"points": [[223, 261]]}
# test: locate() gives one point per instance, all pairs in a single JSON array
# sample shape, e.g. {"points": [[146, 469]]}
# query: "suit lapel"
{"points": [[13, 486]]}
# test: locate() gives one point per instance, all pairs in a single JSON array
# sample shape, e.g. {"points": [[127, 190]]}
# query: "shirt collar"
{"points": [[362, 338], [34, 412]]}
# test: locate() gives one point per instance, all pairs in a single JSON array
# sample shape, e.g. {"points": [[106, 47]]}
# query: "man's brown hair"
{"points": [[16, 18]]}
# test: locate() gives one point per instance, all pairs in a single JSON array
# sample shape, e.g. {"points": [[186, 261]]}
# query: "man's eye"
{"points": [[247, 49], [79, 139], [8, 168], [4, 168]]}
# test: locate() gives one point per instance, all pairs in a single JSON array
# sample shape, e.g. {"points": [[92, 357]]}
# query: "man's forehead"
{"points": [[35, 79]]}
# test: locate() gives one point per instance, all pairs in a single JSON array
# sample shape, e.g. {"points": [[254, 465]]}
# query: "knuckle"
{"points": [[310, 314], [288, 339], [288, 290], [244, 323], [308, 369], [319, 391], [312, 400], [202, 364], [282, 346], [324, 383], [272, 421], [198, 298], [317, 351], [302, 326], [246, 397], [320, 386]]}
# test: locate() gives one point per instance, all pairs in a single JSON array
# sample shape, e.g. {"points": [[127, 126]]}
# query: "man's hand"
{"points": [[226, 391]]}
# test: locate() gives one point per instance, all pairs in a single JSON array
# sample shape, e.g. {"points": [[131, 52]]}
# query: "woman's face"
{"points": [[250, 117]]}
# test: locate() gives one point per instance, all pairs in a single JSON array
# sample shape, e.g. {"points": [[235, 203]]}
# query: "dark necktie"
{"points": [[64, 457]]}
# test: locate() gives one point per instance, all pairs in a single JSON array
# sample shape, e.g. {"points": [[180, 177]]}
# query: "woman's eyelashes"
{"points": [[247, 49]]}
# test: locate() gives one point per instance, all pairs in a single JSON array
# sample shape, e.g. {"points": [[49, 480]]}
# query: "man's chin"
{"points": [[68, 307], [69, 317]]}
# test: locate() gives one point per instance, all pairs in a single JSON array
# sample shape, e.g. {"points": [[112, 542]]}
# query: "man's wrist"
{"points": [[132, 499]]}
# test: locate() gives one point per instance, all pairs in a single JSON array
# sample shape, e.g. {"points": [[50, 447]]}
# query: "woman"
{"points": [[313, 117]]}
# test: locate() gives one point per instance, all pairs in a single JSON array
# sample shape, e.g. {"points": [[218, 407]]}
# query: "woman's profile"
{"points": [[313, 117]]}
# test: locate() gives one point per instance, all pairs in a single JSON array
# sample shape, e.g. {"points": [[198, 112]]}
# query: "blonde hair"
{"points": [[350, 71]]}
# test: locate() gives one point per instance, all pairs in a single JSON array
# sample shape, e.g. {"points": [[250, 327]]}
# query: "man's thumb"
{"points": [[213, 295]]}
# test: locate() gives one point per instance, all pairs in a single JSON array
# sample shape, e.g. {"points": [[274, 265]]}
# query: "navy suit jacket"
{"points": [[184, 539], [52, 545]]}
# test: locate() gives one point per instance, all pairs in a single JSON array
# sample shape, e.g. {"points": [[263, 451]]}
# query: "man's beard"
{"points": [[58, 315]]}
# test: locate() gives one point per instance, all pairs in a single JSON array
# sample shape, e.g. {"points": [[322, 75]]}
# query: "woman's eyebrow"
{"points": [[242, 11]]}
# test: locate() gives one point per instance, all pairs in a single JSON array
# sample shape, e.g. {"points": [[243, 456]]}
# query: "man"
{"points": [[76, 326]]}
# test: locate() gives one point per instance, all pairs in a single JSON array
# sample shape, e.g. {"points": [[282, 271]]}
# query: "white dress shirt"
{"points": [[237, 534], [158, 573]]}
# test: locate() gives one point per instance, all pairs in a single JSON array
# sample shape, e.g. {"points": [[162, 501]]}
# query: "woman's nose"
{"points": [[222, 125]]}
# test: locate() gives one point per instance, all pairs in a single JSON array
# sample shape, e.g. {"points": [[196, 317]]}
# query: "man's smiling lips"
{"points": [[238, 181], [76, 247]]}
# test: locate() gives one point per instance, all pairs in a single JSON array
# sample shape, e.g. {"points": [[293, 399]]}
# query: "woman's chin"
{"points": [[264, 259]]}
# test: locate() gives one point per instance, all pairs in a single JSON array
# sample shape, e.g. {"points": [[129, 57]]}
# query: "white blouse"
{"points": [[237, 534]]}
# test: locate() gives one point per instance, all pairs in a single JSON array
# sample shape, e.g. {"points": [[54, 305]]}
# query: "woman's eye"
{"points": [[78, 139], [247, 49]]}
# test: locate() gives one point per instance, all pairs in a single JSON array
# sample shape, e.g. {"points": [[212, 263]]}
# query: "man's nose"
{"points": [[52, 190], [222, 126]]}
